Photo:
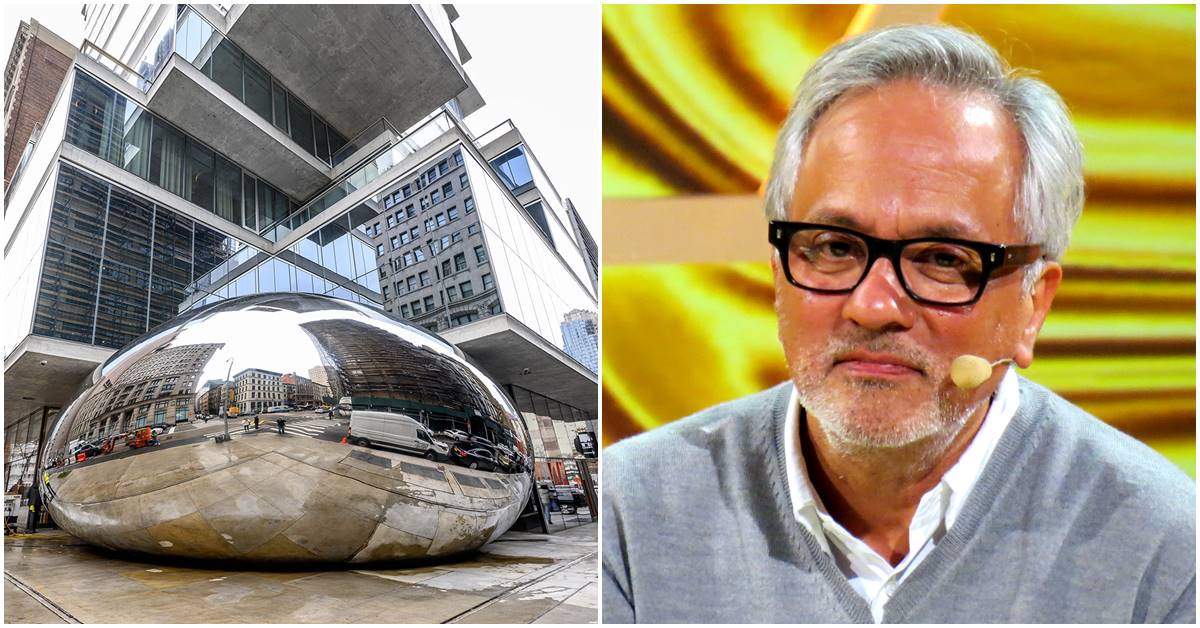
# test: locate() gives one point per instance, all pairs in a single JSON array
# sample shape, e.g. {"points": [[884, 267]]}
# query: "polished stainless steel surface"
{"points": [[288, 427]]}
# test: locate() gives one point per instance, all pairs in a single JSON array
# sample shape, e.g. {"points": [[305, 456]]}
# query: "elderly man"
{"points": [[920, 198]]}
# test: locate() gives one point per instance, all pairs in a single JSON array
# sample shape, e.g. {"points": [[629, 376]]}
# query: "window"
{"points": [[281, 112], [463, 181], [376, 228], [538, 214], [407, 191], [443, 168], [395, 243], [378, 250], [445, 241], [460, 262], [441, 219], [473, 229], [412, 283], [465, 288], [480, 254], [456, 236], [448, 190], [435, 196], [462, 319], [414, 232], [424, 277], [446, 271], [387, 204], [416, 308], [434, 247], [451, 294], [424, 202], [429, 224], [469, 204], [418, 254], [385, 293], [391, 221], [300, 119], [457, 157], [408, 259], [404, 310], [513, 168], [383, 272], [429, 303], [488, 283], [258, 89], [404, 237], [453, 213], [399, 285], [410, 211]]}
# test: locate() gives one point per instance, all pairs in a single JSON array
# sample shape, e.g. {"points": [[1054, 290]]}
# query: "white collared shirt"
{"points": [[872, 576]]}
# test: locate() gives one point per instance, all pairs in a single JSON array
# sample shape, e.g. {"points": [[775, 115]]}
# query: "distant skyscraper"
{"points": [[580, 338]]}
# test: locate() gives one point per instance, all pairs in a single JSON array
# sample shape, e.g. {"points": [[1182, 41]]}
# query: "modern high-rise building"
{"points": [[581, 338], [194, 153]]}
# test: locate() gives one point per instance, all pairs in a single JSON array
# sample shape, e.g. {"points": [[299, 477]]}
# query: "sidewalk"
{"points": [[51, 577]]}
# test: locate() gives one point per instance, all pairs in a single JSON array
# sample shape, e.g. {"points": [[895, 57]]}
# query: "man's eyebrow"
{"points": [[839, 218]]}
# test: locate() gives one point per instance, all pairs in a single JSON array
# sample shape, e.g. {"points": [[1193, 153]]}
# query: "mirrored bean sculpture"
{"points": [[288, 428]]}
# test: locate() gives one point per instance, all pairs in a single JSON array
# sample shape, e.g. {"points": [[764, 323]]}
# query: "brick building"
{"points": [[36, 66]]}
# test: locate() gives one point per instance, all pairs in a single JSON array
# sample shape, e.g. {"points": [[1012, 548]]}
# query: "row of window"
{"points": [[429, 176], [421, 279], [433, 223], [247, 81], [408, 212], [463, 290]]}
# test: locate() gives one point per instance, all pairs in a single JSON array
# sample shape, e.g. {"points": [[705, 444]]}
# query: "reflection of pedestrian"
{"points": [[245, 425], [256, 422], [280, 423]]}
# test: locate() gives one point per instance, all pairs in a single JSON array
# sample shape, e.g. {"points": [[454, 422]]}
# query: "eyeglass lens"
{"points": [[935, 271]]}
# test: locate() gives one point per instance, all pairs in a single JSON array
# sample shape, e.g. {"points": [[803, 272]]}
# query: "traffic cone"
{"points": [[343, 440]]}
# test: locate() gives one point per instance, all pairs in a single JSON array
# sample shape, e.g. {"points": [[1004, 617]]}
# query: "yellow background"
{"points": [[693, 97]]}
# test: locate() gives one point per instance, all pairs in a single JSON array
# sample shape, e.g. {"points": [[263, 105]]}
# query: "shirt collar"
{"points": [[959, 479]]}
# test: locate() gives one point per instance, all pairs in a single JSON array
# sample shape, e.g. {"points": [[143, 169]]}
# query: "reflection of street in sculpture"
{"points": [[364, 477]]}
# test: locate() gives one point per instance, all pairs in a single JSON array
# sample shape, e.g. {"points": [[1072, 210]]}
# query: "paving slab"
{"points": [[520, 578]]}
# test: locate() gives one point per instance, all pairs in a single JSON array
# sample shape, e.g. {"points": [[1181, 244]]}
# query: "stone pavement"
{"points": [[51, 577]]}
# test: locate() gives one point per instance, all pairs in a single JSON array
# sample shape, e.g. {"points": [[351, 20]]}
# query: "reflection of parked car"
{"points": [[274, 409], [456, 434], [473, 457], [369, 427]]}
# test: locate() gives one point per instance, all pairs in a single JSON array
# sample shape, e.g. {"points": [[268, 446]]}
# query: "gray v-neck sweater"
{"points": [[1070, 521]]}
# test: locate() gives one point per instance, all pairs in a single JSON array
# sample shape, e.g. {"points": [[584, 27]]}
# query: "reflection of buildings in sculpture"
{"points": [[209, 401], [301, 391], [157, 390], [325, 377], [580, 338], [258, 389], [377, 369]]}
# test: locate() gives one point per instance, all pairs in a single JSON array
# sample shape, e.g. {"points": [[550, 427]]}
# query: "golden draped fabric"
{"points": [[693, 97]]}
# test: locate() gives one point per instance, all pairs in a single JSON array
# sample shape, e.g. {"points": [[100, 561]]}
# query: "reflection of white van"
{"points": [[369, 427], [343, 408]]}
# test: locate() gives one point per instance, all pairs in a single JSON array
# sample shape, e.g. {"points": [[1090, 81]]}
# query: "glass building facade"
{"points": [[105, 123], [116, 264]]}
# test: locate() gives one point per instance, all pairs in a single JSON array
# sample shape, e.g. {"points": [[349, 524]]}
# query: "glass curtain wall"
{"points": [[116, 264], [106, 124], [228, 66], [21, 442], [535, 284]]}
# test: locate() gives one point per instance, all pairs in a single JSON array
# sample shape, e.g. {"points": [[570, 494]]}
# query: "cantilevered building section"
{"points": [[195, 153]]}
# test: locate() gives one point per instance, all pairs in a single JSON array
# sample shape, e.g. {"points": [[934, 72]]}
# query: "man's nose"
{"points": [[880, 302]]}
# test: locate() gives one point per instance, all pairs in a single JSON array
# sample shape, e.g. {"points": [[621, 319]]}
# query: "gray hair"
{"points": [[1050, 198]]}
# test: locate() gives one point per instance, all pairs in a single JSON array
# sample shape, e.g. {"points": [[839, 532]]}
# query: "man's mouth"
{"points": [[869, 364]]}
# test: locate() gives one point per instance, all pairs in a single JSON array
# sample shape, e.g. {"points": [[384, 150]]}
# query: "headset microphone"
{"points": [[969, 371]]}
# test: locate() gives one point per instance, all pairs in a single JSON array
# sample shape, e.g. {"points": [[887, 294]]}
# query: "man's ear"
{"points": [[1043, 295]]}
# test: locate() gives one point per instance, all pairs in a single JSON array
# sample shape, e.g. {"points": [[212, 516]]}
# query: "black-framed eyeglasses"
{"points": [[933, 271]]}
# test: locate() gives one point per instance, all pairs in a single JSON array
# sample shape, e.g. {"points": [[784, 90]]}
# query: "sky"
{"points": [[536, 64]]}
